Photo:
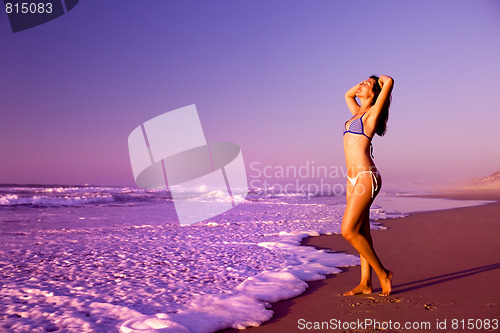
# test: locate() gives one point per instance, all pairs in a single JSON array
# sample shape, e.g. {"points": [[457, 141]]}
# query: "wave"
{"points": [[15, 200], [41, 196], [37, 196]]}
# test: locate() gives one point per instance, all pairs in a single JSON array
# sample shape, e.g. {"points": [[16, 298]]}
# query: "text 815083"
{"points": [[28, 7]]}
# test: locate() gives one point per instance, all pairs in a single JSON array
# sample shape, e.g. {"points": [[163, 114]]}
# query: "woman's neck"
{"points": [[365, 104]]}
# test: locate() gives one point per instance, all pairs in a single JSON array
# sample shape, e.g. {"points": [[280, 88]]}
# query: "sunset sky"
{"points": [[267, 75]]}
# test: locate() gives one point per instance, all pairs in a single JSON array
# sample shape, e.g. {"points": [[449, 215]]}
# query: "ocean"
{"points": [[115, 259]]}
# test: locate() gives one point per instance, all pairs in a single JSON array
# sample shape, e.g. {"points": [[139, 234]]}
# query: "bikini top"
{"points": [[356, 127]]}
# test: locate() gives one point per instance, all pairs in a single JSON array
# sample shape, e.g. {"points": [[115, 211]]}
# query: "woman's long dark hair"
{"points": [[384, 115]]}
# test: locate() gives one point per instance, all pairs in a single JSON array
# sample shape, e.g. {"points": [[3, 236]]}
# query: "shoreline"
{"points": [[448, 270], [479, 194]]}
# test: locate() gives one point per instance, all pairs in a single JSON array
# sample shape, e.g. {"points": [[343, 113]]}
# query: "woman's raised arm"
{"points": [[386, 83], [350, 99]]}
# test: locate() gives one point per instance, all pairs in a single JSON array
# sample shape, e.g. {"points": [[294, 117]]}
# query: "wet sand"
{"points": [[446, 268]]}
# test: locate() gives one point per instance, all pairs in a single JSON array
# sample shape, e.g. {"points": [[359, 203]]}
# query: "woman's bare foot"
{"points": [[386, 284], [360, 289]]}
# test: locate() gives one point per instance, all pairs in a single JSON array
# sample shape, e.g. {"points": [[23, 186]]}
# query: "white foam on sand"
{"points": [[153, 277], [247, 305]]}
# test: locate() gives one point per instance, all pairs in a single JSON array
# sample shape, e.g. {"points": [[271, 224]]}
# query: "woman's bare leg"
{"points": [[353, 230], [366, 269], [365, 284]]}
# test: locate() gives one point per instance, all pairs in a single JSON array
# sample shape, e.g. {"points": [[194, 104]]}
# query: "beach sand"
{"points": [[446, 268]]}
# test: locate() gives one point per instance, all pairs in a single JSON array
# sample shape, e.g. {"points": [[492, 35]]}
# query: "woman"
{"points": [[369, 118]]}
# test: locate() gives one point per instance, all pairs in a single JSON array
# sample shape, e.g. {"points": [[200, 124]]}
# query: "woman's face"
{"points": [[365, 88]]}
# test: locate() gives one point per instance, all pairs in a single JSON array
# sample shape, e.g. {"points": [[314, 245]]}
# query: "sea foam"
{"points": [[247, 305]]}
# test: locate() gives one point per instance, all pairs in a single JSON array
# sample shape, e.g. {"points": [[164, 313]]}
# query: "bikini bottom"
{"points": [[374, 180]]}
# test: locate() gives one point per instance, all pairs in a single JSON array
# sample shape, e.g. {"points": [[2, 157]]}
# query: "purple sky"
{"points": [[268, 75]]}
